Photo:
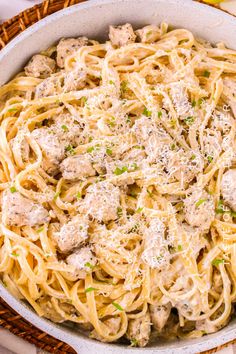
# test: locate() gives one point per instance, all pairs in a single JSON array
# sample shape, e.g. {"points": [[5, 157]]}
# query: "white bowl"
{"points": [[92, 19]]}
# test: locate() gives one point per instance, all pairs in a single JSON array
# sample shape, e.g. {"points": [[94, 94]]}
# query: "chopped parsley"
{"points": [[70, 149], [194, 103], [180, 248], [206, 73], [56, 195], [90, 149], [12, 110], [111, 122], [159, 114], [173, 147], [14, 254], [123, 86], [216, 262], [88, 290], [220, 207], [40, 229], [78, 195], [200, 202], [133, 342], [128, 120], [141, 147], [139, 210], [13, 189], [146, 112], [89, 265], [134, 166], [111, 82], [209, 158], [149, 33], [189, 120], [65, 128], [120, 170], [119, 212], [84, 100], [108, 151], [193, 157], [117, 306]]}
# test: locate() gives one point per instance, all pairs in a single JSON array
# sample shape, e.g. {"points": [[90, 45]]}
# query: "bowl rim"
{"points": [[76, 340]]}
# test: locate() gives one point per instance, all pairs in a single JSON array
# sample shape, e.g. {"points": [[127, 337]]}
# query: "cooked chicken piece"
{"points": [[52, 148], [113, 325], [207, 326], [101, 201], [199, 209], [77, 167], [139, 330], [40, 66], [18, 210], [83, 260], [148, 34], [74, 80], [67, 129], [155, 253], [48, 87], [184, 165], [67, 47], [143, 128], [159, 315], [121, 35], [61, 83], [73, 234], [228, 188]]}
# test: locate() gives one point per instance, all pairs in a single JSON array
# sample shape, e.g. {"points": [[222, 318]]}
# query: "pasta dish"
{"points": [[118, 184]]}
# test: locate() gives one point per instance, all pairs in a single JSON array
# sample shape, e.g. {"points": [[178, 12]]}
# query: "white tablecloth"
{"points": [[10, 343]]}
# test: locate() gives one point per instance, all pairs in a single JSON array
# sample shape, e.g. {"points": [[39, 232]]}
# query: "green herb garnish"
{"points": [[65, 128], [56, 195], [209, 158], [70, 149], [88, 290], [117, 306], [108, 151], [13, 189], [200, 202], [159, 114], [14, 254], [89, 265], [206, 73], [133, 342], [189, 120], [139, 210], [40, 229], [119, 212], [78, 195], [146, 112], [216, 262], [118, 171]]}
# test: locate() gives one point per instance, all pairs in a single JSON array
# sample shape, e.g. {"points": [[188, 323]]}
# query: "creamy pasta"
{"points": [[118, 184]]}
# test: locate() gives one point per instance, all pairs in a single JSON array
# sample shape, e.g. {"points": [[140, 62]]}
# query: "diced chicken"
{"points": [[159, 315], [83, 260], [149, 34], [156, 253], [207, 326], [121, 35], [73, 234], [61, 83], [139, 330], [228, 188], [112, 325], [40, 66], [101, 201], [52, 148], [67, 47], [74, 80], [67, 129], [18, 210], [48, 87], [77, 167], [199, 209], [184, 165]]}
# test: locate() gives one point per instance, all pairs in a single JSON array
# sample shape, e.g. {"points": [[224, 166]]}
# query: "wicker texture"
{"points": [[10, 319]]}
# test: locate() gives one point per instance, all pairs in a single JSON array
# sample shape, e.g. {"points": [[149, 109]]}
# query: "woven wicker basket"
{"points": [[9, 319]]}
